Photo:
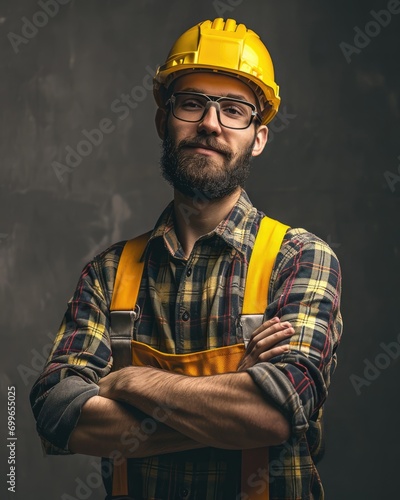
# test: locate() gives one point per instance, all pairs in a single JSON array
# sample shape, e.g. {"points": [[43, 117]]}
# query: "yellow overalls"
{"points": [[127, 351]]}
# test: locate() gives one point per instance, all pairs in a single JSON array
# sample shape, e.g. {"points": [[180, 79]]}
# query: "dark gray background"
{"points": [[323, 171]]}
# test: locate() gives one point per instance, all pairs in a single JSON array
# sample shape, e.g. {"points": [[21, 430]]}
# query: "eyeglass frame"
{"points": [[214, 100]]}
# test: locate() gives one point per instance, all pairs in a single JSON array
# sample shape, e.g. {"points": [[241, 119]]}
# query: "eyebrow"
{"points": [[202, 91]]}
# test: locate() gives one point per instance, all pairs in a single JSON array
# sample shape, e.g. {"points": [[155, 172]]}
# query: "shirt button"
{"points": [[185, 316], [189, 272], [183, 493]]}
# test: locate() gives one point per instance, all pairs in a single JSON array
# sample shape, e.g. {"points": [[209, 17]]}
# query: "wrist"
{"points": [[123, 389], [135, 383]]}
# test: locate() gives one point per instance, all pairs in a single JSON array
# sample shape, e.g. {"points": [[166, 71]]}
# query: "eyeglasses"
{"points": [[231, 112]]}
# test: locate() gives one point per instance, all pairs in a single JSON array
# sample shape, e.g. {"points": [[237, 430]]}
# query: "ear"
{"points": [[261, 140], [161, 120]]}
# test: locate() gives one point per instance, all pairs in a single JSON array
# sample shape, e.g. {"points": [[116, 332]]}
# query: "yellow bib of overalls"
{"points": [[210, 362]]}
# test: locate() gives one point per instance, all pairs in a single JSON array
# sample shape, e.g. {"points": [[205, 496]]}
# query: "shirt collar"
{"points": [[235, 229]]}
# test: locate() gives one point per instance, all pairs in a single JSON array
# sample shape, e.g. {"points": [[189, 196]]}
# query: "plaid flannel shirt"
{"points": [[195, 304]]}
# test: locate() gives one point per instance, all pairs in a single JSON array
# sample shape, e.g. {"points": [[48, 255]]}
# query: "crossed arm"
{"points": [[131, 413], [142, 411]]}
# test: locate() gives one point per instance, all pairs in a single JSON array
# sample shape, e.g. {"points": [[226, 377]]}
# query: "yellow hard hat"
{"points": [[226, 47]]}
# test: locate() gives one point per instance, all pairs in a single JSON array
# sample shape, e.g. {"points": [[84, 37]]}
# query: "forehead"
{"points": [[215, 84]]}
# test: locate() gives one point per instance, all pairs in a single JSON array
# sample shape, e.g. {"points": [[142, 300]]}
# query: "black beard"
{"points": [[190, 174]]}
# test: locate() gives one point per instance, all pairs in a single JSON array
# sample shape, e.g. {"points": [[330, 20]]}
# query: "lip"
{"points": [[204, 149]]}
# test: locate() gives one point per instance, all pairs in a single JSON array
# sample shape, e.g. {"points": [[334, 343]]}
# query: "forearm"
{"points": [[223, 411], [106, 427]]}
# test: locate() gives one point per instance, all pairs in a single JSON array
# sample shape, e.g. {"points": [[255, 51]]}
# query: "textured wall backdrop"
{"points": [[332, 166]]}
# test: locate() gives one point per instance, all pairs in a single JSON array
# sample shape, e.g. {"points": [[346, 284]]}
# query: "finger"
{"points": [[271, 353], [271, 331], [277, 327], [270, 327], [275, 320], [267, 343]]}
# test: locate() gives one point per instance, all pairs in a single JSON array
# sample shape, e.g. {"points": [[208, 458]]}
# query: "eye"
{"points": [[190, 104], [234, 110]]}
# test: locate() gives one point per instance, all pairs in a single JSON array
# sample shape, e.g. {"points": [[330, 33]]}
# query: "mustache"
{"points": [[209, 142]]}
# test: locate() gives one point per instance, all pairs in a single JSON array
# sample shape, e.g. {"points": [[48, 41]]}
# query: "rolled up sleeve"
{"points": [[80, 356], [304, 290]]}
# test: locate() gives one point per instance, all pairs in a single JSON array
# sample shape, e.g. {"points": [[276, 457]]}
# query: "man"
{"points": [[175, 424]]}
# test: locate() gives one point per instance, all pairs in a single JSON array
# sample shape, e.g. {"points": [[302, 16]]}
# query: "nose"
{"points": [[210, 122]]}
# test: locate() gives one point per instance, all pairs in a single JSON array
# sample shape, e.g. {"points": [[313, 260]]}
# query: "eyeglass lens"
{"points": [[232, 113]]}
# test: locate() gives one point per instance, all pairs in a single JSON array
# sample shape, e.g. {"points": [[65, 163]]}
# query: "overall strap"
{"points": [[266, 247], [129, 274], [255, 301], [123, 304]]}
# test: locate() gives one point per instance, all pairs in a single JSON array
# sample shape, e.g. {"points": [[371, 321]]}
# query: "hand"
{"points": [[263, 341]]}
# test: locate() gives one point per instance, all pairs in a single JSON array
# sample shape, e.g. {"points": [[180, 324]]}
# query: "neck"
{"points": [[198, 216]]}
